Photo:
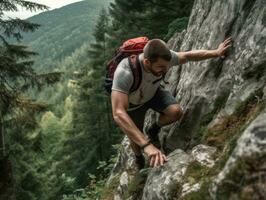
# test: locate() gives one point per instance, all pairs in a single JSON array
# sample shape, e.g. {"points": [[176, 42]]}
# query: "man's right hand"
{"points": [[156, 157]]}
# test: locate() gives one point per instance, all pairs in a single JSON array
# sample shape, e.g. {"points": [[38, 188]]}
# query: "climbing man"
{"points": [[129, 108]]}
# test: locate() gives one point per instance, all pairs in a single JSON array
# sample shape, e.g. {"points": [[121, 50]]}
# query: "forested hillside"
{"points": [[62, 31], [71, 150], [109, 33]]}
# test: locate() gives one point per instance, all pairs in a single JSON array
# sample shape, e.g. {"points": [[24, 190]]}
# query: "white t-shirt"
{"points": [[123, 80]]}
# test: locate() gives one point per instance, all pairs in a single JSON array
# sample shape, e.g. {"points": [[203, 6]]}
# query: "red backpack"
{"points": [[130, 49]]}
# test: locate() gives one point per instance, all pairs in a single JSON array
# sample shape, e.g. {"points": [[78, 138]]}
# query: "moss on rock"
{"points": [[224, 136], [247, 180], [109, 191], [136, 185]]}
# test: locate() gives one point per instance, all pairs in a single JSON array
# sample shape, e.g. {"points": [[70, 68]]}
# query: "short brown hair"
{"points": [[155, 49]]}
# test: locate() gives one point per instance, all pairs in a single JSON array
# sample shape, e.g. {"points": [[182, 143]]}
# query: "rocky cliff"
{"points": [[218, 149]]}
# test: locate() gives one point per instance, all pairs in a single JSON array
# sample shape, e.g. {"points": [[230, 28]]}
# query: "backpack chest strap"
{"points": [[135, 66]]}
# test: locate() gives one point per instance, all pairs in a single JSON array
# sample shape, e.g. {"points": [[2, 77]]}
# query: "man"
{"points": [[129, 108]]}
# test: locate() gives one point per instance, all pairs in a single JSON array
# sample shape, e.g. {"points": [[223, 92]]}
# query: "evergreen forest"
{"points": [[58, 140]]}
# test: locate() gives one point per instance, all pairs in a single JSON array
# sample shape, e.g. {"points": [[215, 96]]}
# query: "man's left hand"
{"points": [[223, 47]]}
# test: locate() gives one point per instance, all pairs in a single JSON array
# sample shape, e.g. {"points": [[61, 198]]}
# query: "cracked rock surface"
{"points": [[208, 91]]}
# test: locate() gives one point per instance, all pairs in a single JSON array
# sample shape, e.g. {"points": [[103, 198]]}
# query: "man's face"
{"points": [[157, 68]]}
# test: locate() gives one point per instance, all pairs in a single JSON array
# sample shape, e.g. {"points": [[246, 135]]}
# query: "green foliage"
{"points": [[231, 126], [62, 32], [146, 18], [224, 136], [91, 112], [243, 107], [196, 171], [245, 180], [97, 188], [202, 194], [136, 185], [101, 27], [256, 71], [51, 128], [24, 151], [178, 25], [89, 132], [108, 191], [78, 131], [175, 189], [218, 104], [17, 109]]}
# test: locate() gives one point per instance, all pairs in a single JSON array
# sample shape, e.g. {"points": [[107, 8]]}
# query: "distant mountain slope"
{"points": [[63, 30]]}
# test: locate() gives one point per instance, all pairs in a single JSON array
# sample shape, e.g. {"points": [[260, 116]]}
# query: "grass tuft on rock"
{"points": [[109, 191], [247, 180], [224, 136], [136, 185]]}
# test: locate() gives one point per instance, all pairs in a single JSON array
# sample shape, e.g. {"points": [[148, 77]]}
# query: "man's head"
{"points": [[157, 57]]}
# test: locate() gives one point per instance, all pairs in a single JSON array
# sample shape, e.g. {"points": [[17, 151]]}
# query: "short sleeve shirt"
{"points": [[123, 80]]}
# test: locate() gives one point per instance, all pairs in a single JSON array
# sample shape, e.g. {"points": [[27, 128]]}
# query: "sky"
{"points": [[23, 14]]}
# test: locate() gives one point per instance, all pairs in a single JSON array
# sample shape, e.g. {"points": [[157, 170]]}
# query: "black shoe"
{"points": [[140, 161], [152, 132]]}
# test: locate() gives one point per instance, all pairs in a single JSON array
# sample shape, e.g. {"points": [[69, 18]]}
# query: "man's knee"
{"points": [[174, 111]]}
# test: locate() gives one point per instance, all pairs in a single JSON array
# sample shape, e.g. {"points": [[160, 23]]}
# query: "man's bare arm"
{"points": [[197, 55], [119, 107]]}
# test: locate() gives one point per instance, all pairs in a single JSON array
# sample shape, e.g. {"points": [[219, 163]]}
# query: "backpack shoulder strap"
{"points": [[135, 66]]}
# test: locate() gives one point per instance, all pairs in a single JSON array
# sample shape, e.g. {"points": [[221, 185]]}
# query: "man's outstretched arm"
{"points": [[197, 55]]}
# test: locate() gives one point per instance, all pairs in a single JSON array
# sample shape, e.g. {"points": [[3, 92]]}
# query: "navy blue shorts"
{"points": [[159, 102]]}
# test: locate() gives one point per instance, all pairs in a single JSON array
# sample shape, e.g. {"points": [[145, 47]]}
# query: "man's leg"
{"points": [[170, 114], [164, 103]]}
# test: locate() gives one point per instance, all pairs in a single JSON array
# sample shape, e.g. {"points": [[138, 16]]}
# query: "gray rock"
{"points": [[163, 180], [264, 93], [252, 145], [123, 184], [188, 188], [167, 181], [125, 163], [207, 91], [199, 86], [203, 154]]}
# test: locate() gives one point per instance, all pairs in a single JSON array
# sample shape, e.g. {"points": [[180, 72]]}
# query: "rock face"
{"points": [[166, 182], [199, 86], [161, 180], [122, 170], [250, 146], [220, 98]]}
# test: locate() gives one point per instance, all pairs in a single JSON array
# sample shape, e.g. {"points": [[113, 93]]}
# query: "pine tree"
{"points": [[17, 110], [145, 18], [93, 133]]}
